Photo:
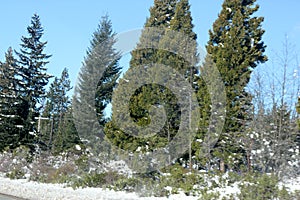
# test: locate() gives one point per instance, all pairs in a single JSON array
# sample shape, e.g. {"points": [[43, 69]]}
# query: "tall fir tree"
{"points": [[97, 79], [236, 47], [10, 121], [32, 61]]}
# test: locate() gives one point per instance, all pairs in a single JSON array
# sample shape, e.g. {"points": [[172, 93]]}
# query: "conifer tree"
{"points": [[57, 105], [32, 61], [236, 47], [176, 32], [184, 42], [96, 81], [66, 137], [57, 97], [161, 14], [10, 121]]}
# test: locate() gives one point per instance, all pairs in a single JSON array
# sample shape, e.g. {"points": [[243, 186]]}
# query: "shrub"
{"points": [[262, 187], [16, 173]]}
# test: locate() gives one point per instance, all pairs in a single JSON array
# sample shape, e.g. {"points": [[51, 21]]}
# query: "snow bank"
{"points": [[41, 191]]}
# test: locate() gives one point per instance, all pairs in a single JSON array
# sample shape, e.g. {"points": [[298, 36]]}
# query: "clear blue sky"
{"points": [[69, 24]]}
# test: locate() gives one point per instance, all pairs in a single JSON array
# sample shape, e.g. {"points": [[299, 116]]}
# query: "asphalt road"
{"points": [[7, 197]]}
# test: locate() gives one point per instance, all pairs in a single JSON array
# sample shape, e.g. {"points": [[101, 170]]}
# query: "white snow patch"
{"points": [[77, 147], [41, 191]]}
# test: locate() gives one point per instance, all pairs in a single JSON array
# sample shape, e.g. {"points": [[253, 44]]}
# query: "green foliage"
{"points": [[9, 103], [22, 152], [262, 187], [91, 94], [66, 136], [16, 173], [126, 184], [108, 179], [82, 162], [236, 48], [58, 132], [177, 179], [174, 31], [208, 195], [33, 77], [161, 14], [20, 156]]}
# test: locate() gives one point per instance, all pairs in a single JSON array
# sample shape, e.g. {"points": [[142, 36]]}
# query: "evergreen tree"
{"points": [[56, 106], [236, 47], [10, 121], [161, 14], [96, 81], [105, 88], [32, 69], [180, 37], [66, 136], [176, 32], [210, 95], [57, 97]]}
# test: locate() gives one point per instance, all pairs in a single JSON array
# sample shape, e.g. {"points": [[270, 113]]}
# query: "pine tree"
{"points": [[236, 47], [180, 37], [161, 14], [174, 32], [33, 75], [58, 98], [10, 121], [97, 79], [210, 95], [57, 104]]}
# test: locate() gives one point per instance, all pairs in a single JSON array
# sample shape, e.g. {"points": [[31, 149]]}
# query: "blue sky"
{"points": [[69, 24]]}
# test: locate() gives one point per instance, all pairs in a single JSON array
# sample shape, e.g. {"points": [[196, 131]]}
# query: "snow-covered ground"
{"points": [[41, 191], [292, 184]]}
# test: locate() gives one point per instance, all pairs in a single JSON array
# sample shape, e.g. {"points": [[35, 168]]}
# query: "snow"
{"points": [[292, 184], [77, 147], [229, 9], [42, 191], [34, 190]]}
